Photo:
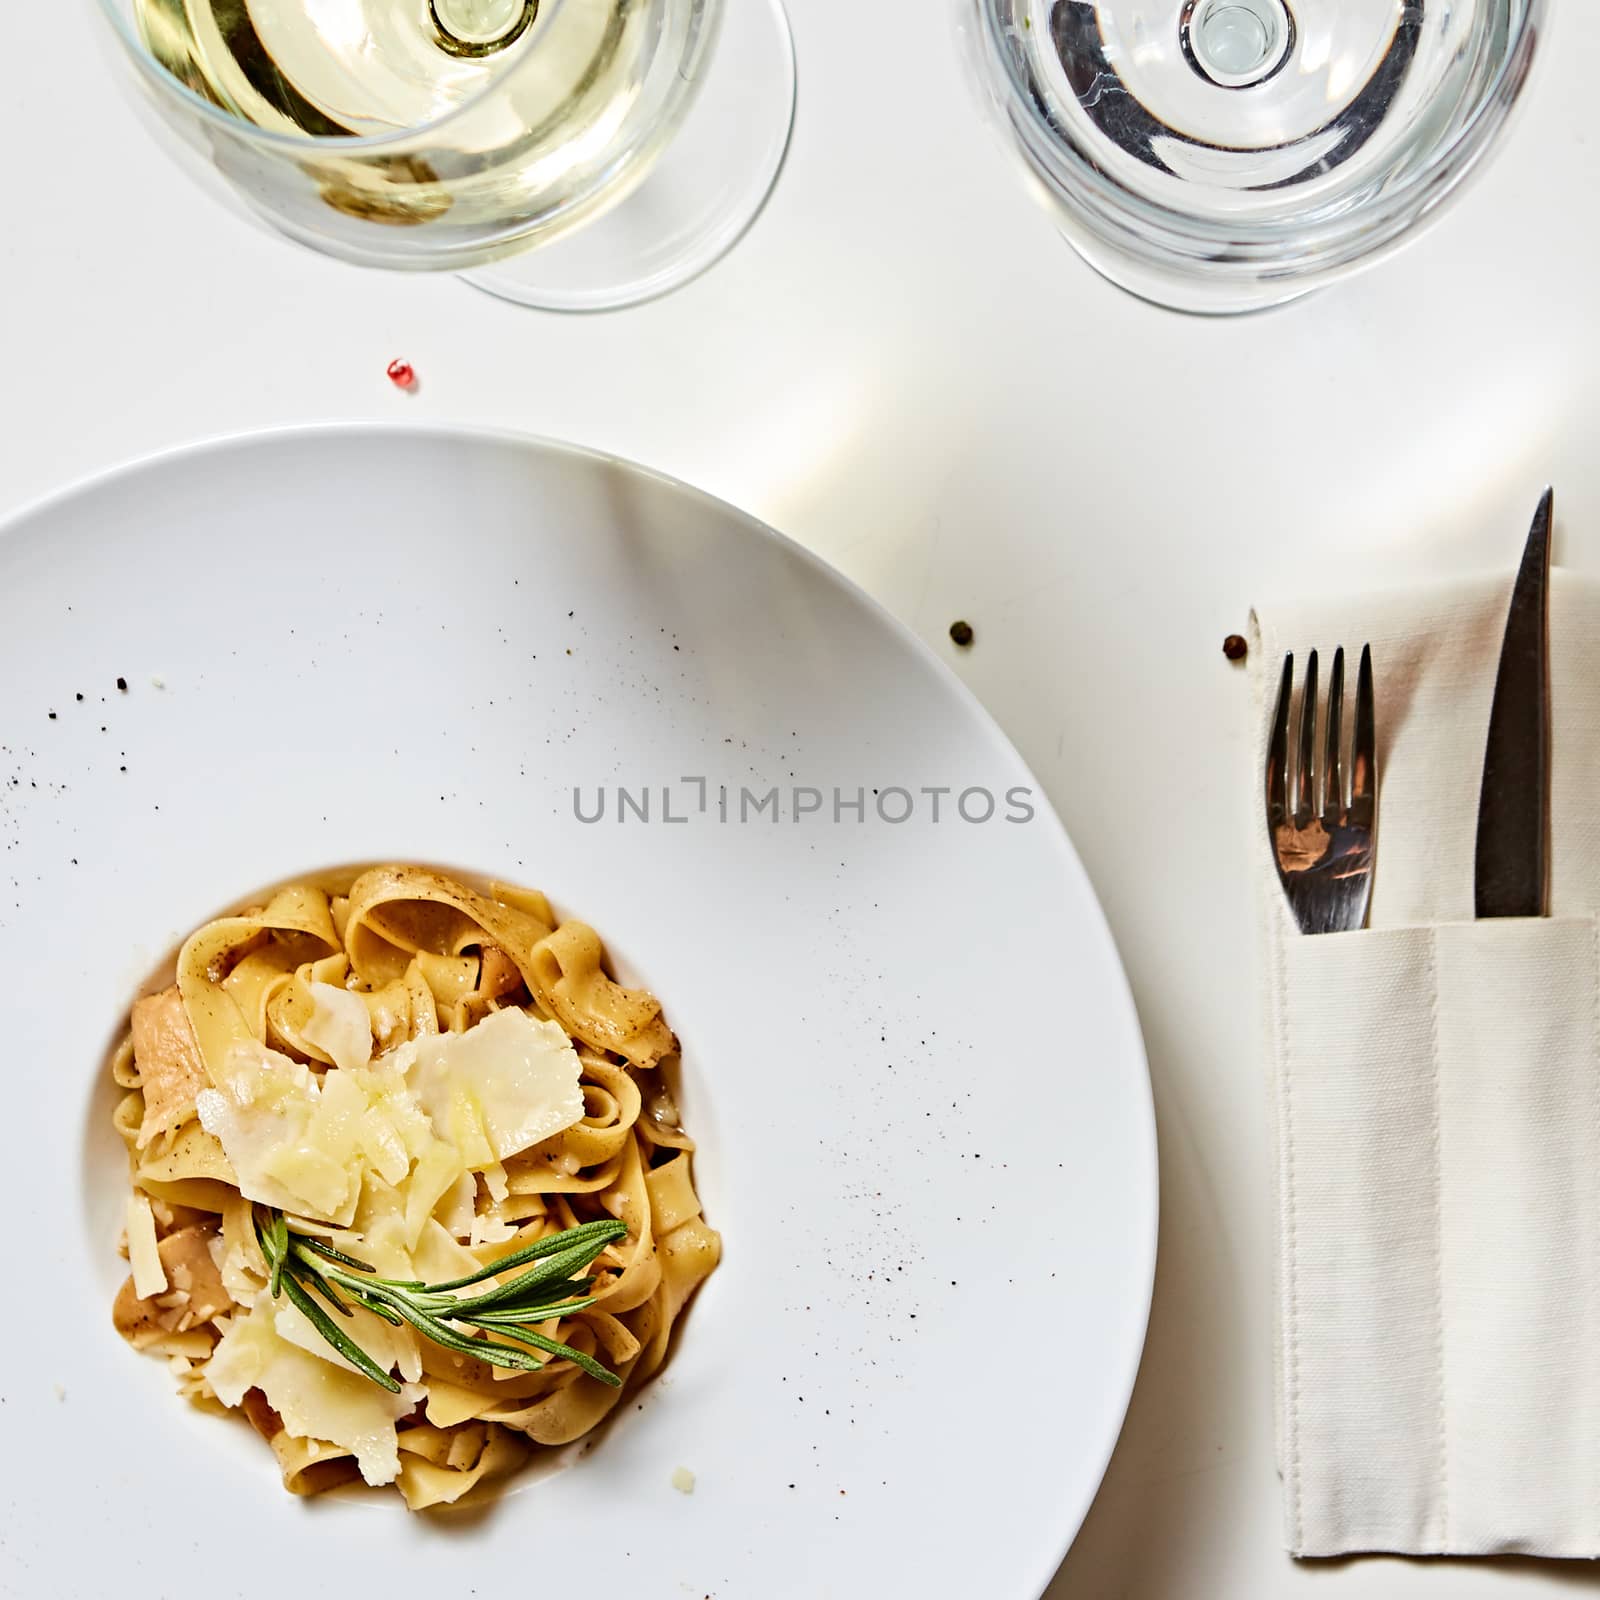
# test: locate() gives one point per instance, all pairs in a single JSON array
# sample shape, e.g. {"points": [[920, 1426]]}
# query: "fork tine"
{"points": [[1364, 766], [1307, 738], [1324, 857], [1330, 781], [1278, 750]]}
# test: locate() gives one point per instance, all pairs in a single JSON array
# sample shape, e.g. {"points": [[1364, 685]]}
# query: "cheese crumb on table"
{"points": [[683, 1481]]}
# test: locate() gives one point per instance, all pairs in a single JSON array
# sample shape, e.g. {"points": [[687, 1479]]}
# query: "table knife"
{"points": [[1514, 805]]}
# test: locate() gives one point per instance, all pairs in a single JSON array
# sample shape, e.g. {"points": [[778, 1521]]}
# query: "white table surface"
{"points": [[902, 367]]}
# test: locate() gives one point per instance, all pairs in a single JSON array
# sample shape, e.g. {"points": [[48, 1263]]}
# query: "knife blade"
{"points": [[1514, 803]]}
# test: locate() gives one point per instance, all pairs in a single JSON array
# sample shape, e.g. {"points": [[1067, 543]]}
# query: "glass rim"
{"points": [[1314, 238], [349, 144]]}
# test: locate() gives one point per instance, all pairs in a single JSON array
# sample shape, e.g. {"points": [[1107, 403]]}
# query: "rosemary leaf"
{"points": [[302, 1266], [497, 1355], [521, 1305], [605, 1231], [565, 1352], [267, 1239], [519, 1318], [315, 1280], [562, 1265], [306, 1241], [335, 1335]]}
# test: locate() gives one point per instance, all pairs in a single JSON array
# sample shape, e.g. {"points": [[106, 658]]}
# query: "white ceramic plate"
{"points": [[910, 1053]]}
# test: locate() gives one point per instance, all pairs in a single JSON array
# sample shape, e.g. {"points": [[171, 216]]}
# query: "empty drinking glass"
{"points": [[1224, 155]]}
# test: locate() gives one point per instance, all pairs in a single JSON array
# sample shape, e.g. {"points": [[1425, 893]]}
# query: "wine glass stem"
{"points": [[1237, 44], [480, 27]]}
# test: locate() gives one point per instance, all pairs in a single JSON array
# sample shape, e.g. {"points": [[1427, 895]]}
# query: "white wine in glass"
{"points": [[452, 133]]}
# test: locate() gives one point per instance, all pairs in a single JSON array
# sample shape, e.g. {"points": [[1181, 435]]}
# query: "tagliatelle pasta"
{"points": [[399, 1080]]}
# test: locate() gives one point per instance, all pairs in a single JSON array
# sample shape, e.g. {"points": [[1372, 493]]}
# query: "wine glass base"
{"points": [[1223, 156], [1184, 294], [697, 202]]}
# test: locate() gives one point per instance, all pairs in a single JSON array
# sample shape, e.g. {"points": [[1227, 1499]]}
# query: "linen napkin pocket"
{"points": [[1439, 1153], [1436, 1110]]}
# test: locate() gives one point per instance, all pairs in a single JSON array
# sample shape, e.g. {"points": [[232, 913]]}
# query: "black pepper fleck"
{"points": [[122, 684], [962, 634]]}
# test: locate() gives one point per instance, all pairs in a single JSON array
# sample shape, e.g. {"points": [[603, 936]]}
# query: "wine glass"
{"points": [[1225, 155], [631, 141]]}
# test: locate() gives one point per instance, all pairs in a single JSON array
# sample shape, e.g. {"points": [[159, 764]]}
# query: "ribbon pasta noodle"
{"points": [[422, 1079]]}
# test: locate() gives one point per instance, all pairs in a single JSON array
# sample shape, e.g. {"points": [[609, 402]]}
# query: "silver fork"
{"points": [[1322, 813]]}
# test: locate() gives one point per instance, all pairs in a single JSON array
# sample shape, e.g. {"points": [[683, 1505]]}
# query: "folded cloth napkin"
{"points": [[1437, 1114]]}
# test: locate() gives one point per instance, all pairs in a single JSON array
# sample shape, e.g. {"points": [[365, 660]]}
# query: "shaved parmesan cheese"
{"points": [[315, 1398], [292, 1142], [144, 1255], [489, 1228], [456, 1211], [435, 1175], [507, 1083], [263, 1111], [379, 1233], [396, 1126], [395, 1142], [233, 1267], [440, 1259], [384, 1149], [341, 1025], [195, 1343]]}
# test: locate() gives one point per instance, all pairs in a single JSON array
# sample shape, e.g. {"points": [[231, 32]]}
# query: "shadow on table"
{"points": [[1558, 1574], [1171, 1489]]}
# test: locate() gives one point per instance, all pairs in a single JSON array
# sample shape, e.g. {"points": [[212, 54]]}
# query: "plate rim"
{"points": [[1119, 997]]}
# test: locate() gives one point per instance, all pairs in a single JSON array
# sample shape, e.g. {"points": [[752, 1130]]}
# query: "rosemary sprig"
{"points": [[301, 1266]]}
